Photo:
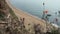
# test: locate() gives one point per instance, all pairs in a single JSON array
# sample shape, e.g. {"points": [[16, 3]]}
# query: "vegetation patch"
{"points": [[2, 15], [13, 14]]}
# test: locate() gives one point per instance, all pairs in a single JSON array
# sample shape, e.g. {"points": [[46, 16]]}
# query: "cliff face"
{"points": [[10, 24]]}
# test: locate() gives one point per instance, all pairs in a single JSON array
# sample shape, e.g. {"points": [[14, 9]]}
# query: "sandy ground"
{"points": [[28, 18]]}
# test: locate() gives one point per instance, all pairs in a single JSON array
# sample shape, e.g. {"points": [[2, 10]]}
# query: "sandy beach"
{"points": [[29, 19]]}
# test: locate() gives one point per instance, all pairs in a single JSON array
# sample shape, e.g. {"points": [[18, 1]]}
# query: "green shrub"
{"points": [[12, 13], [55, 32]]}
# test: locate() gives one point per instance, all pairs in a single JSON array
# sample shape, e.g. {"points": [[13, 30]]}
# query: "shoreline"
{"points": [[26, 13], [36, 17], [29, 19]]}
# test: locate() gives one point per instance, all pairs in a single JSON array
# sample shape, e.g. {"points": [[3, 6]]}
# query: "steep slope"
{"points": [[21, 23], [9, 22]]}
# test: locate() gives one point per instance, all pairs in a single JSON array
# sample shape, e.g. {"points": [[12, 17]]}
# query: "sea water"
{"points": [[36, 8]]}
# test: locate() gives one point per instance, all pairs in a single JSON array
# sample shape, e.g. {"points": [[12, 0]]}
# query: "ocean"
{"points": [[36, 8]]}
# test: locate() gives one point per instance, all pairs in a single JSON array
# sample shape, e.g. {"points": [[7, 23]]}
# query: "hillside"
{"points": [[13, 21]]}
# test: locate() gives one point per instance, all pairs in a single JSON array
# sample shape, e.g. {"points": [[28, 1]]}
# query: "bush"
{"points": [[2, 16], [12, 13], [53, 32]]}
